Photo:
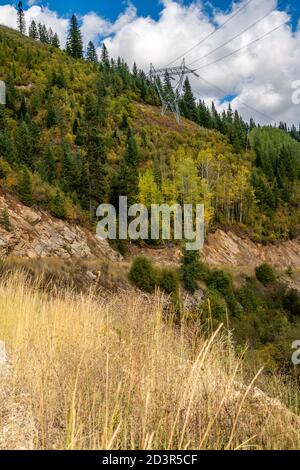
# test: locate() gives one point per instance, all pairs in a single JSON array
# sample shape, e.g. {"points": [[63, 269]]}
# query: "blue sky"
{"points": [[112, 8]]}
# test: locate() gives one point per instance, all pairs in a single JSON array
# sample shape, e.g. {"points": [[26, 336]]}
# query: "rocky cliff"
{"points": [[35, 234]]}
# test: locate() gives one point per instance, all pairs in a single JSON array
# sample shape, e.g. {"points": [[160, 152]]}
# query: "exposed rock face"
{"points": [[230, 249], [35, 234]]}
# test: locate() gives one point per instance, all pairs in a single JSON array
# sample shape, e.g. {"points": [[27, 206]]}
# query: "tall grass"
{"points": [[114, 374]]}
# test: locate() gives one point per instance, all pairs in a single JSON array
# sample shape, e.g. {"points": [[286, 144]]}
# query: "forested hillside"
{"points": [[78, 131]]}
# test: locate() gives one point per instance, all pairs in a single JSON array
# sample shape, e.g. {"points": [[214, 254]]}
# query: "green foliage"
{"points": [[4, 220], [143, 275], [168, 280], [57, 205], [291, 302], [25, 187], [91, 54], [265, 274], [126, 182], [221, 281], [191, 270], [21, 19], [74, 45], [146, 277], [118, 147], [290, 271]]}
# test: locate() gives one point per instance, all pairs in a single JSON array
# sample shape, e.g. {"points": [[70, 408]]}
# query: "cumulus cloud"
{"points": [[260, 76]]}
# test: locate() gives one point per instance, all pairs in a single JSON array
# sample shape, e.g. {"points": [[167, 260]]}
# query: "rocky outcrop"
{"points": [[229, 249], [35, 234]]}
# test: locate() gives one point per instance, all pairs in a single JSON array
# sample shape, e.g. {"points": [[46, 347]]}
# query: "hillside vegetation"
{"points": [[77, 132], [91, 373]]}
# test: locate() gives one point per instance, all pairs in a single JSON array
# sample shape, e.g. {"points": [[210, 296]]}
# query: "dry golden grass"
{"points": [[116, 375]]}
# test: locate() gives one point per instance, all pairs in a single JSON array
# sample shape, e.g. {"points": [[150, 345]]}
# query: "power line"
{"points": [[243, 47], [212, 33], [238, 99], [232, 39]]}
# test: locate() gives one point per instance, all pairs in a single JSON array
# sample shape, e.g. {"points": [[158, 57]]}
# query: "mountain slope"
{"points": [[68, 126]]}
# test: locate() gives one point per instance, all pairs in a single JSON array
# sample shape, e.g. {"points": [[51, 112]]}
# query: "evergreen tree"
{"points": [[127, 179], [91, 54], [23, 109], [25, 187], [74, 41], [33, 31], [96, 157], [104, 56], [167, 88], [52, 114], [47, 167], [43, 33], [188, 102], [50, 35], [24, 145], [21, 19], [57, 205], [55, 41], [190, 269]]}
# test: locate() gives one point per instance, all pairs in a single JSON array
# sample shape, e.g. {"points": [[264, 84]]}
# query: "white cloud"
{"points": [[261, 75]]}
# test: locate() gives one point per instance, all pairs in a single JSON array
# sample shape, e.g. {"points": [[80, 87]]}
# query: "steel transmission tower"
{"points": [[170, 98]]}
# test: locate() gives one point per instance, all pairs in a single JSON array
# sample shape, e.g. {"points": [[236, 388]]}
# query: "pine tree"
{"points": [[104, 56], [57, 205], [33, 31], [74, 41], [55, 41], [23, 109], [91, 54], [50, 35], [167, 88], [43, 33], [24, 145], [21, 19], [47, 167], [127, 179], [25, 187], [52, 114], [188, 102], [97, 169]]}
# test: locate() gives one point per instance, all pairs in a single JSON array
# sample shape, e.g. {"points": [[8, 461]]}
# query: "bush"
{"points": [[192, 270], [143, 275], [220, 281], [265, 274], [168, 280], [291, 302]]}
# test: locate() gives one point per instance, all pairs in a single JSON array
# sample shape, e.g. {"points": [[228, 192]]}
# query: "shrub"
{"points": [[168, 280], [215, 306], [289, 271], [265, 274], [4, 220], [143, 275], [192, 270], [291, 302], [220, 281]]}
